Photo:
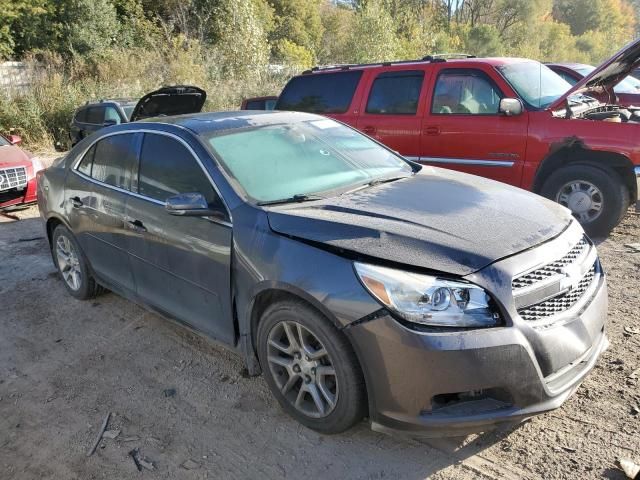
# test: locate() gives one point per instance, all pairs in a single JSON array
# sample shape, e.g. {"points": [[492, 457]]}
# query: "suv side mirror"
{"points": [[191, 205], [14, 139], [110, 122], [510, 107]]}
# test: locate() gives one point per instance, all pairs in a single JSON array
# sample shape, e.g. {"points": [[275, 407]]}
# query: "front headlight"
{"points": [[428, 300]]}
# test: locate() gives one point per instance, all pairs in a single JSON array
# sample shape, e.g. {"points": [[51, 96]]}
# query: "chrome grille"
{"points": [[560, 303], [552, 268], [13, 178]]}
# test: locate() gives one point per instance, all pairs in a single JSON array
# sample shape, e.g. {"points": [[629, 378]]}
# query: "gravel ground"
{"points": [[185, 404]]}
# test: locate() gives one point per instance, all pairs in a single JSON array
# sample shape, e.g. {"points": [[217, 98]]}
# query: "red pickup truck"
{"points": [[510, 119]]}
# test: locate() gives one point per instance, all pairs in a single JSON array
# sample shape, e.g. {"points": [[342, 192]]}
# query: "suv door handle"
{"points": [[432, 130], [369, 130], [76, 202], [136, 225]]}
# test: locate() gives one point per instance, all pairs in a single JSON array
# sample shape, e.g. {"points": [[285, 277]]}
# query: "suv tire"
{"points": [[72, 265], [580, 186], [290, 340]]}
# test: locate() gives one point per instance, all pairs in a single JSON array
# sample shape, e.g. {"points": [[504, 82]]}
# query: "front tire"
{"points": [[597, 197], [310, 368], [72, 265]]}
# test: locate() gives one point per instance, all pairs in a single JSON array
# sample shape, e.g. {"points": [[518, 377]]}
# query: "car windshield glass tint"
{"points": [[314, 157], [128, 110], [320, 93], [537, 84], [628, 85]]}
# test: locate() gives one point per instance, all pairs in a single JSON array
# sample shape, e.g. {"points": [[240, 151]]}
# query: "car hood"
{"points": [[437, 219], [169, 101], [607, 75], [12, 156]]}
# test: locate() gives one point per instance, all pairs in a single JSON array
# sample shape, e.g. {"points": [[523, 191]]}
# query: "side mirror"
{"points": [[110, 122], [510, 107], [191, 205], [14, 139]]}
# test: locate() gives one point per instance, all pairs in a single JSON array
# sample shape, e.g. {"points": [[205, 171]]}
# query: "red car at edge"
{"points": [[17, 173]]}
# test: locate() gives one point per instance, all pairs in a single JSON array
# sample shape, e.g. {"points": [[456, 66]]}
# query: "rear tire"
{"points": [[310, 368], [72, 265], [596, 196]]}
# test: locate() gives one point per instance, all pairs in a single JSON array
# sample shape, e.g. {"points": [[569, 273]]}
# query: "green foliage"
{"points": [[87, 49]]}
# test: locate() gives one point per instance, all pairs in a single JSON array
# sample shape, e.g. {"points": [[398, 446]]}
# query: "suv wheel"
{"points": [[597, 197], [72, 265], [311, 368]]}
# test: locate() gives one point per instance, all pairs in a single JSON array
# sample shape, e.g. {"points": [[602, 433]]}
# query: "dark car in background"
{"points": [[173, 100], [358, 282], [18, 170], [259, 103], [627, 92]]}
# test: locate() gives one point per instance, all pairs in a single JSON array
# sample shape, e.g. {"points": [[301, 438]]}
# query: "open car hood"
{"points": [[168, 101], [607, 75]]}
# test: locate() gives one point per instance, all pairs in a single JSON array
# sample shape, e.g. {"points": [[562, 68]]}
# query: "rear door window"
{"points": [[168, 168], [87, 161], [115, 159], [95, 115], [395, 93], [465, 92], [320, 93]]}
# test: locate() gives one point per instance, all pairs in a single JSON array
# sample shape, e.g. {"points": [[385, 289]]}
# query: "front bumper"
{"points": [[451, 383], [25, 196]]}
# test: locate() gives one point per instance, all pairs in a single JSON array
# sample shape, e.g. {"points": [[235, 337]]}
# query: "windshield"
{"points": [[128, 110], [277, 162], [537, 84], [628, 85], [3, 141]]}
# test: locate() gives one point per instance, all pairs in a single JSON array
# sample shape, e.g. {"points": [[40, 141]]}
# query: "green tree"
{"points": [[297, 22]]}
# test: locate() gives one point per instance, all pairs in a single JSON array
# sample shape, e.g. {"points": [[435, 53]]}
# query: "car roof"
{"points": [[569, 65], [119, 101], [457, 62], [211, 122]]}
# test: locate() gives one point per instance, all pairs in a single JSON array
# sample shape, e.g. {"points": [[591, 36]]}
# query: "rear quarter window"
{"points": [[320, 93]]}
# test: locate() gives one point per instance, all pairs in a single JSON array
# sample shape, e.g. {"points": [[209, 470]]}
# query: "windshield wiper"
{"points": [[379, 181], [298, 198]]}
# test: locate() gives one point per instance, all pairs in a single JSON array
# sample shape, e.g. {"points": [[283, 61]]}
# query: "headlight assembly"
{"points": [[428, 300]]}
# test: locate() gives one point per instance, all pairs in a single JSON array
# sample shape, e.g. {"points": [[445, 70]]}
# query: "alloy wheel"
{"points": [[68, 262], [583, 198], [302, 369]]}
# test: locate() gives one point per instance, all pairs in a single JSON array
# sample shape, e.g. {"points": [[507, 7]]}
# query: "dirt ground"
{"points": [[186, 405]]}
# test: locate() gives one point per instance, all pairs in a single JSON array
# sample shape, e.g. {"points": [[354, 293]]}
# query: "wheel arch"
{"points": [[573, 151], [51, 224]]}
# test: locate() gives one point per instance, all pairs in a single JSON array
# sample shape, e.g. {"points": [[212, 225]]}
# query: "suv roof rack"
{"points": [[437, 57]]}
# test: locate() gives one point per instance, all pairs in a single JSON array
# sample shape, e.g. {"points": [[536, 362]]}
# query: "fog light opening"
{"points": [[470, 402]]}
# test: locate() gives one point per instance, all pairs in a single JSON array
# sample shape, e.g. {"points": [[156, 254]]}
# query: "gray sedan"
{"points": [[358, 283]]}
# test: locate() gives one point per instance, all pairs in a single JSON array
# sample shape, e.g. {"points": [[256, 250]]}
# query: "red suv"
{"points": [[509, 119]]}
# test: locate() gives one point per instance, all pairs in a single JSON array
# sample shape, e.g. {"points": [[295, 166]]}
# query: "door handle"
{"points": [[369, 130], [432, 130], [76, 202], [136, 225]]}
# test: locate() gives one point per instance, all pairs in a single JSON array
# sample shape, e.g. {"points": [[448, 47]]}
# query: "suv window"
{"points": [[81, 115], [396, 93], [95, 115], [320, 93], [167, 168], [114, 160], [111, 113], [466, 92]]}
